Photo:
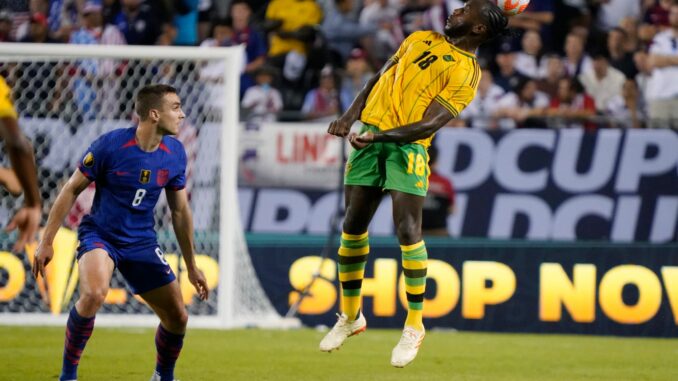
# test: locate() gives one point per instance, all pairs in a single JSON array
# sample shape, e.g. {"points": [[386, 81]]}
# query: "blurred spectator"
{"points": [[358, 72], [138, 23], [186, 22], [646, 33], [555, 71], [38, 31], [439, 202], [322, 103], [658, 14], [342, 32], [624, 110], [92, 73], [254, 40], [571, 107], [612, 12], [642, 63], [212, 71], [262, 101], [529, 60], [63, 18], [522, 107], [93, 30], [479, 112], [507, 77], [620, 59], [204, 18], [291, 25], [662, 92], [537, 17], [111, 8], [5, 26], [603, 82], [384, 15], [576, 61], [630, 26], [414, 16]]}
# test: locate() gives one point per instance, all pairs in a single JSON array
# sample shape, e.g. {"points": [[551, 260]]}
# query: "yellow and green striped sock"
{"points": [[352, 259], [414, 267]]}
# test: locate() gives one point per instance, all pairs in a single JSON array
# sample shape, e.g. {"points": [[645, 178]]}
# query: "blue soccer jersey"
{"points": [[128, 184]]}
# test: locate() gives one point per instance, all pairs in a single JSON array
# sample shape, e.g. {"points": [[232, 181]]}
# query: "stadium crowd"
{"points": [[569, 63]]}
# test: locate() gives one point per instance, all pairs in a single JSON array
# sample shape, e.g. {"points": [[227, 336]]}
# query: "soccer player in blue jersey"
{"points": [[130, 168]]}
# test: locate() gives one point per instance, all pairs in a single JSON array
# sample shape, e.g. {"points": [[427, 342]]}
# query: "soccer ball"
{"points": [[513, 7]]}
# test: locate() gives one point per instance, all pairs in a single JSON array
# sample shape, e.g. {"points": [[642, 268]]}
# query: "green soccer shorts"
{"points": [[392, 166]]}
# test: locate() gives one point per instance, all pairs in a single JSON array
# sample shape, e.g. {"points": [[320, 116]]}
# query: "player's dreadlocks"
{"points": [[497, 22]]}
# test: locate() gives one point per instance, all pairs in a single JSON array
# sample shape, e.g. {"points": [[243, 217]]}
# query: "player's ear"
{"points": [[154, 115], [479, 29]]}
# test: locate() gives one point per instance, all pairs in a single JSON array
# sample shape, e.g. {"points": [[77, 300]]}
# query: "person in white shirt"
{"points": [[479, 112], [576, 61], [602, 82], [262, 101], [612, 12], [662, 90], [522, 108], [529, 61]]}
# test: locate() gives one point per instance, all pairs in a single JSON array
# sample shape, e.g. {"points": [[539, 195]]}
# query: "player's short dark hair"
{"points": [[150, 97], [495, 20]]}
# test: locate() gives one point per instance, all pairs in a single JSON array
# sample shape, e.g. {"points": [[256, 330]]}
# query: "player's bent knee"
{"points": [[408, 234], [92, 300]]}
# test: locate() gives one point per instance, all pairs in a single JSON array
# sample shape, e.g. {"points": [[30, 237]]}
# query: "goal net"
{"points": [[66, 96]]}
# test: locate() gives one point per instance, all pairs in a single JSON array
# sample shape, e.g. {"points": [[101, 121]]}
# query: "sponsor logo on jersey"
{"points": [[145, 176], [448, 58], [162, 177], [88, 160]]}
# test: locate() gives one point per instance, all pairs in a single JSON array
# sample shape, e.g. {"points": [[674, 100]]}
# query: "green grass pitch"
{"points": [[34, 353]]}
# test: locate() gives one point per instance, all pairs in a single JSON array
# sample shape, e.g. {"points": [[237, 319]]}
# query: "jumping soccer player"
{"points": [[20, 151], [130, 167], [429, 81]]}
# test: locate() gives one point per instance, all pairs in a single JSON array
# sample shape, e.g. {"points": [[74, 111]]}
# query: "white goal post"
{"points": [[66, 95]]}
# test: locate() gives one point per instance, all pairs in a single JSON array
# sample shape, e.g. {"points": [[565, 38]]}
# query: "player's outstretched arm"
{"points": [[20, 152], [435, 117], [63, 204], [342, 126], [182, 221]]}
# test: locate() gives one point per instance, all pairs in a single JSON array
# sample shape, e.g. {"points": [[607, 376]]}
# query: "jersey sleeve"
{"points": [[460, 90], [6, 106], [178, 182], [92, 162]]}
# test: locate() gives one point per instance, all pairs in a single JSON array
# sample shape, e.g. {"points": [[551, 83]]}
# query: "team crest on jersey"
{"points": [[88, 161], [448, 58], [145, 176], [162, 177]]}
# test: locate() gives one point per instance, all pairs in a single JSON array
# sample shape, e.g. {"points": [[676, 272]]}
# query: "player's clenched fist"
{"points": [[360, 141], [339, 127]]}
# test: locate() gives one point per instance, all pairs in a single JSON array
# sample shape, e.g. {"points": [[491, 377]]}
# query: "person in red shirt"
{"points": [[439, 202], [572, 107]]}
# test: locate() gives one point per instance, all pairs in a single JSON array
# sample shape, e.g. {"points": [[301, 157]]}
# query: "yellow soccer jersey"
{"points": [[427, 67], [294, 15], [6, 107]]}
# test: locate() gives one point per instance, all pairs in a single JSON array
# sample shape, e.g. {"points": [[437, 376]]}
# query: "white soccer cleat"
{"points": [[156, 377], [407, 347], [342, 330]]}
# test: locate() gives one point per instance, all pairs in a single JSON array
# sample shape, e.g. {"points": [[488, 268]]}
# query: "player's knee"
{"points": [[182, 318], [93, 299], [408, 233]]}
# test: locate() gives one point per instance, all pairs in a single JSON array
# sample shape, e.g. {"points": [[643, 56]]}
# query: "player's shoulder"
{"points": [[424, 35], [173, 145], [4, 87], [118, 135]]}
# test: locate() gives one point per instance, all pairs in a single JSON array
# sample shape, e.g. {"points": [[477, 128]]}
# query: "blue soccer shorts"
{"points": [[143, 266]]}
